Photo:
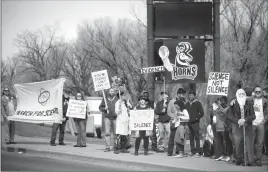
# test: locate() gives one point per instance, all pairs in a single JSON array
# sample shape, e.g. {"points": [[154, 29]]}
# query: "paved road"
{"points": [[28, 162]]}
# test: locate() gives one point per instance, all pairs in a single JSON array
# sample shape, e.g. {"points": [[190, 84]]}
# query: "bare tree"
{"points": [[9, 72], [41, 52], [78, 68], [244, 38], [120, 48]]}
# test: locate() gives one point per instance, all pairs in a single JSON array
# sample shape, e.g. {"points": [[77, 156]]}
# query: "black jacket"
{"points": [[234, 113], [163, 116], [195, 111], [65, 107]]}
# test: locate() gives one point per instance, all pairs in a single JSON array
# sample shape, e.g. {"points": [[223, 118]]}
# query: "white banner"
{"points": [[77, 109], [101, 80], [39, 102], [141, 120], [218, 83]]}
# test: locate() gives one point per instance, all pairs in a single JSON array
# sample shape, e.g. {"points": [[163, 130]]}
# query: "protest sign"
{"points": [[101, 80], [218, 83], [39, 102], [141, 120], [77, 109]]}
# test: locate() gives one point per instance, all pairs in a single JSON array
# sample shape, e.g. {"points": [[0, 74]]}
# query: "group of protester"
{"points": [[237, 130], [240, 128], [172, 116]]}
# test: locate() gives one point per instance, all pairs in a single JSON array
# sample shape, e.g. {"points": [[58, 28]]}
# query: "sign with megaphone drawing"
{"points": [[184, 60]]}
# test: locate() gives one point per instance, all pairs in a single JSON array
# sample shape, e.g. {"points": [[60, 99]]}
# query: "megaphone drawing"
{"points": [[164, 53]]}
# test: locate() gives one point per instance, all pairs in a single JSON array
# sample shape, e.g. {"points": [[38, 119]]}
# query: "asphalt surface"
{"points": [[31, 162]]}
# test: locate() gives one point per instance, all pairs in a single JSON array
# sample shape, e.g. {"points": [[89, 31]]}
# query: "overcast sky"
{"points": [[18, 16]]}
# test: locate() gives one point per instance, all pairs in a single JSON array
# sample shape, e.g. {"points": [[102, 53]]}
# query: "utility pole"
{"points": [[150, 44], [216, 35]]}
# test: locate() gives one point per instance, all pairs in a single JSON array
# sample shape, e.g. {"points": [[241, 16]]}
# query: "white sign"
{"points": [[101, 80], [218, 83], [152, 69], [77, 109], [141, 120], [39, 102]]}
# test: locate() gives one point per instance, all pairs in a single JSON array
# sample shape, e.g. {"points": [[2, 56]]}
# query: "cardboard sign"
{"points": [[77, 109], [141, 120], [152, 69], [39, 102], [101, 80], [218, 83]]}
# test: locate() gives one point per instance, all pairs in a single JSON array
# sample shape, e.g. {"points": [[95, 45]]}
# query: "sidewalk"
{"points": [[96, 151]]}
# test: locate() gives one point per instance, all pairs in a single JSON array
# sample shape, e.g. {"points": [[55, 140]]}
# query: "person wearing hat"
{"points": [[8, 109], [56, 126], [242, 114]]}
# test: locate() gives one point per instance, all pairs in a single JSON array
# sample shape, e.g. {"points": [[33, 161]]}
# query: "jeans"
{"points": [[223, 144], [194, 138], [81, 130], [164, 132], [238, 136], [109, 125], [154, 137], [55, 127], [9, 127], [171, 143], [258, 135], [145, 141]]}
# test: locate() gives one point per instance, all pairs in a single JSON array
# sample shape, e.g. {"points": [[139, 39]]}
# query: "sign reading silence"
{"points": [[218, 83]]}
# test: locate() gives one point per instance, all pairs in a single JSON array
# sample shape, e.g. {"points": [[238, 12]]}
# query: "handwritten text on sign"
{"points": [[141, 120], [101, 80], [218, 83], [77, 109]]}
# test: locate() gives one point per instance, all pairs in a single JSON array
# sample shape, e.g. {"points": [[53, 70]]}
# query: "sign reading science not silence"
{"points": [[218, 83]]}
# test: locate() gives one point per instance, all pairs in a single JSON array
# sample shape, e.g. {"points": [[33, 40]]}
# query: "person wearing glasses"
{"points": [[261, 112], [8, 109], [81, 125]]}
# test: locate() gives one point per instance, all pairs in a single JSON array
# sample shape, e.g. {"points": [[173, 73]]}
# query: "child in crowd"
{"points": [[143, 105]]}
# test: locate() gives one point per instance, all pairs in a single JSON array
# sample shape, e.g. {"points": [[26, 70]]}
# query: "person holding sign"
{"points": [[81, 125], [109, 114], [241, 114], [178, 127], [164, 125], [142, 134], [122, 107]]}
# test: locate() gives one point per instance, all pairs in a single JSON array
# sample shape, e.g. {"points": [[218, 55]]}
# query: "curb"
{"points": [[127, 164]]}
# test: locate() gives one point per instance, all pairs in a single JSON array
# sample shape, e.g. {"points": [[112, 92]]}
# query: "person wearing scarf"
{"points": [[122, 107], [242, 114]]}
